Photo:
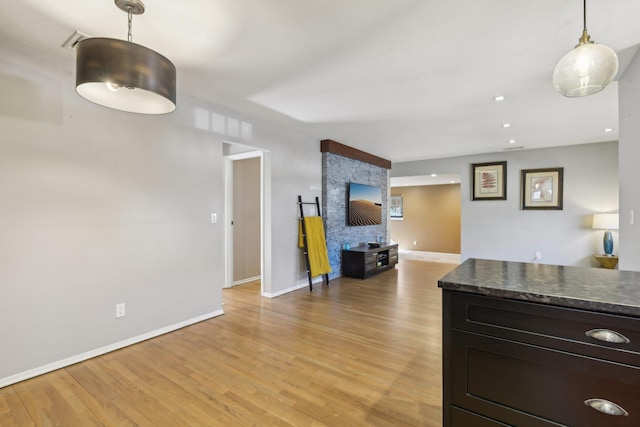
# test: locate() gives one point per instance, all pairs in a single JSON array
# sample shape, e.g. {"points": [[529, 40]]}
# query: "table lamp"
{"points": [[606, 222]]}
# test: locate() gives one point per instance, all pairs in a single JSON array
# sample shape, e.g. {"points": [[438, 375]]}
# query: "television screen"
{"points": [[365, 204]]}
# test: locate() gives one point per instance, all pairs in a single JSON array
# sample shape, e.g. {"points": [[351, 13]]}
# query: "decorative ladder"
{"points": [[304, 239]]}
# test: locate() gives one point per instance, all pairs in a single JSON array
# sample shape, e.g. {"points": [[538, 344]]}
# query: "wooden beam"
{"points": [[331, 146]]}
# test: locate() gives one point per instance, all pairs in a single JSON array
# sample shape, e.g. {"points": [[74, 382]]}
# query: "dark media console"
{"points": [[363, 261]]}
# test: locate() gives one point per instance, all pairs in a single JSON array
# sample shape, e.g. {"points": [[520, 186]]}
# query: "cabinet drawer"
{"points": [[555, 327], [371, 257], [393, 251], [537, 386], [462, 418]]}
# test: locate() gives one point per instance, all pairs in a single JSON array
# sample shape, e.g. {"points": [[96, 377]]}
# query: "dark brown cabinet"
{"points": [[519, 363], [362, 261]]}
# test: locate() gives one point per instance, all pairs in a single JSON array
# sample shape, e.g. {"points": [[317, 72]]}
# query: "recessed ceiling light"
{"points": [[607, 130], [498, 98], [506, 125], [433, 175], [512, 141], [405, 184], [452, 182]]}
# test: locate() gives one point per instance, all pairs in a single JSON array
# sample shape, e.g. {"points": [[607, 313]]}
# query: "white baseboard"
{"points": [[286, 291], [103, 350], [247, 280], [299, 285]]}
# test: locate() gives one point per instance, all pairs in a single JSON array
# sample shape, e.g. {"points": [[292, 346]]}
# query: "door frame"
{"points": [[265, 217]]}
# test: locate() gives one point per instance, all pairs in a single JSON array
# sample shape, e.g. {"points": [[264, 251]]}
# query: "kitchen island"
{"points": [[540, 345]]}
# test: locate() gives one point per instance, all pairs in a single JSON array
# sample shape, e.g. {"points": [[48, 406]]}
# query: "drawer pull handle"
{"points": [[606, 407], [608, 336]]}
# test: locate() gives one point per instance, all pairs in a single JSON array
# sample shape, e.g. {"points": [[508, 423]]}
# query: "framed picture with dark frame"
{"points": [[542, 189], [489, 181]]}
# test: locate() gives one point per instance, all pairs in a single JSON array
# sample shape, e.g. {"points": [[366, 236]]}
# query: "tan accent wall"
{"points": [[246, 219], [431, 218]]}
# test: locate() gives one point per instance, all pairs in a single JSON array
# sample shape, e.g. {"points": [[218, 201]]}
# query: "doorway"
{"points": [[247, 225], [427, 220]]}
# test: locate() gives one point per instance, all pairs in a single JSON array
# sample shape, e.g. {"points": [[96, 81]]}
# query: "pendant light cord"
{"points": [[129, 14], [584, 38]]}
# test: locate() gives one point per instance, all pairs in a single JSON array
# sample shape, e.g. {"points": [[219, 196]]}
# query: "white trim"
{"points": [[265, 217], [286, 291], [299, 285], [103, 350], [246, 155], [247, 280], [265, 223], [227, 280]]}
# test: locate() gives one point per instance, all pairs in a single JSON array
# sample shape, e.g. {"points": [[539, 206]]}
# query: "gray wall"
{"points": [[501, 230], [337, 172], [629, 107], [101, 207]]}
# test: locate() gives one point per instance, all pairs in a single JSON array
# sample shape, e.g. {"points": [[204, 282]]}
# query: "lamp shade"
{"points": [[125, 76], [585, 70], [605, 221]]}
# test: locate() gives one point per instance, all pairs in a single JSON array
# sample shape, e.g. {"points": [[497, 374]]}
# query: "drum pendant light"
{"points": [[587, 69], [124, 75]]}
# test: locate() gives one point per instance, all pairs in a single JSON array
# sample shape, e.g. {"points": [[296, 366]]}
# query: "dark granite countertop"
{"points": [[594, 289]]}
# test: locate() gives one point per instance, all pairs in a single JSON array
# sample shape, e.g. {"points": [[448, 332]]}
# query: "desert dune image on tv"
{"points": [[365, 204]]}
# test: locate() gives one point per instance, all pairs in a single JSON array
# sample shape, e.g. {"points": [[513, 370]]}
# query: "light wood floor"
{"points": [[358, 353]]}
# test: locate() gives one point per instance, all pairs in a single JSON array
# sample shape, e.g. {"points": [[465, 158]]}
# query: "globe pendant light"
{"points": [[124, 75], [587, 69]]}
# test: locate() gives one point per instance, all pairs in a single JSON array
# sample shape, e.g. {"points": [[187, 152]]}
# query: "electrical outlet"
{"points": [[538, 255], [120, 310]]}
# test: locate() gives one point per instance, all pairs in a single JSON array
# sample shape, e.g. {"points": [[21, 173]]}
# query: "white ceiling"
{"points": [[401, 79], [431, 179]]}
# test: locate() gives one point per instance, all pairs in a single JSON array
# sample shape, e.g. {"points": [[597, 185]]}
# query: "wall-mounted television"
{"points": [[365, 204]]}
